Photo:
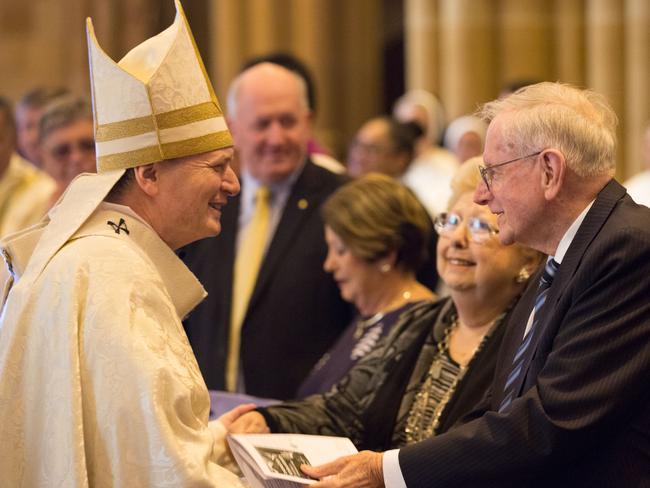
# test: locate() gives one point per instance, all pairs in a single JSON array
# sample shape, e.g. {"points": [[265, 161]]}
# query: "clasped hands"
{"points": [[362, 470]]}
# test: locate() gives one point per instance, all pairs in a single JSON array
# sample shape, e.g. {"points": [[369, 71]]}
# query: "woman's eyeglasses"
{"points": [[480, 231]]}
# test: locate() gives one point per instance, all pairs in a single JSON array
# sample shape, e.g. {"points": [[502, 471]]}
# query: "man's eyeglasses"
{"points": [[62, 151], [480, 231], [487, 172]]}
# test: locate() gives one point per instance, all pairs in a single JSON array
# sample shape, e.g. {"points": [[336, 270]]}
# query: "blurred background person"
{"points": [[639, 185], [25, 191], [424, 108], [377, 236], [433, 167], [465, 137], [271, 311], [67, 142], [433, 367], [383, 145], [29, 111], [386, 146], [318, 153]]}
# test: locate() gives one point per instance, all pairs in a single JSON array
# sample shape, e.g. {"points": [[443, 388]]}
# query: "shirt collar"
{"points": [[571, 232], [251, 184]]}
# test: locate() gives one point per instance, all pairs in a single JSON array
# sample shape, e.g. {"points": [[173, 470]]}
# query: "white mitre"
{"points": [[156, 103]]}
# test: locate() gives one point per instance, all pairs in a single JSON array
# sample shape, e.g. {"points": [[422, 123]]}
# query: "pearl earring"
{"points": [[522, 276], [385, 268]]}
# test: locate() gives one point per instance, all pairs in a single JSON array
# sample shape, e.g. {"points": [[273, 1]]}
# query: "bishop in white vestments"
{"points": [[98, 383]]}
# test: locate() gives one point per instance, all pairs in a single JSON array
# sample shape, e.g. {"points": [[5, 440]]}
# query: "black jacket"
{"points": [[582, 416], [295, 312]]}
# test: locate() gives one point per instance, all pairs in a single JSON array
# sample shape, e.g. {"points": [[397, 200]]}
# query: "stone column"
{"points": [[637, 77], [312, 24], [568, 18], [262, 29], [525, 40], [467, 60], [605, 58], [421, 43], [229, 46], [359, 83]]}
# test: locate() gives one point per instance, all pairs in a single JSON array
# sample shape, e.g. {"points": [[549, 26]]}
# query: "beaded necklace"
{"points": [[363, 325], [422, 421]]}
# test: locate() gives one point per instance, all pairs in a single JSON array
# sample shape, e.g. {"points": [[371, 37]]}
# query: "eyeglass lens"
{"points": [[62, 151], [480, 230]]}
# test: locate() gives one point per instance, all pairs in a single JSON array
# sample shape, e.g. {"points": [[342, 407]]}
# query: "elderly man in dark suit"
{"points": [[569, 403], [271, 310]]}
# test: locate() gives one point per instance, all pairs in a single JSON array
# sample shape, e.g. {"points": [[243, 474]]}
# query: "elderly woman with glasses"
{"points": [[428, 374]]}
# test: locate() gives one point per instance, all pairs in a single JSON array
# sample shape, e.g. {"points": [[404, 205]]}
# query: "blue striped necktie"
{"points": [[510, 390]]}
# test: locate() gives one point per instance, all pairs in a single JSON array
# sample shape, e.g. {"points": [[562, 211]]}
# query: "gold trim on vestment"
{"points": [[125, 128]]}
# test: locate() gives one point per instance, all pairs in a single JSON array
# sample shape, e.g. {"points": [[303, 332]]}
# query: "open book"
{"points": [[273, 460]]}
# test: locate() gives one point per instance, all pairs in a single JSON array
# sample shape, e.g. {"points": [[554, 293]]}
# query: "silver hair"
{"points": [[579, 123]]}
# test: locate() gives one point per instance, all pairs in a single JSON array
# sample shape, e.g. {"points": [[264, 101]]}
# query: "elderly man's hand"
{"points": [[363, 470], [249, 423]]}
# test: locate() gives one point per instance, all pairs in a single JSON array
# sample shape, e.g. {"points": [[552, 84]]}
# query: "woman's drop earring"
{"points": [[522, 276]]}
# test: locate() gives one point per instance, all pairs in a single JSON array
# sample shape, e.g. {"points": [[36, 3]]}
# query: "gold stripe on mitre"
{"points": [[197, 145], [129, 159], [187, 115], [171, 150], [124, 128], [166, 120]]}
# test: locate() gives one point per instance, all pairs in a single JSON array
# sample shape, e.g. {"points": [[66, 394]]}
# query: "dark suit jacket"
{"points": [[582, 417], [295, 312]]}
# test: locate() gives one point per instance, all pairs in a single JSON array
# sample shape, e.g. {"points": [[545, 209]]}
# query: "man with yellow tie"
{"points": [[271, 310]]}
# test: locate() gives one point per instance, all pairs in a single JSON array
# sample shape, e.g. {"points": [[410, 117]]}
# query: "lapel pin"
{"points": [[303, 204]]}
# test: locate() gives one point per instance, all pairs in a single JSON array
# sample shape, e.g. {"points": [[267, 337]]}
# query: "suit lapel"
{"points": [[227, 249], [514, 334], [302, 202], [591, 225]]}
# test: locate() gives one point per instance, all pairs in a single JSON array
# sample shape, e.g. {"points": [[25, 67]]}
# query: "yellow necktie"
{"points": [[247, 264]]}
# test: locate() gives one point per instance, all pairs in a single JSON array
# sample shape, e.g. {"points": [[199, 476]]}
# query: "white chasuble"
{"points": [[98, 383]]}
